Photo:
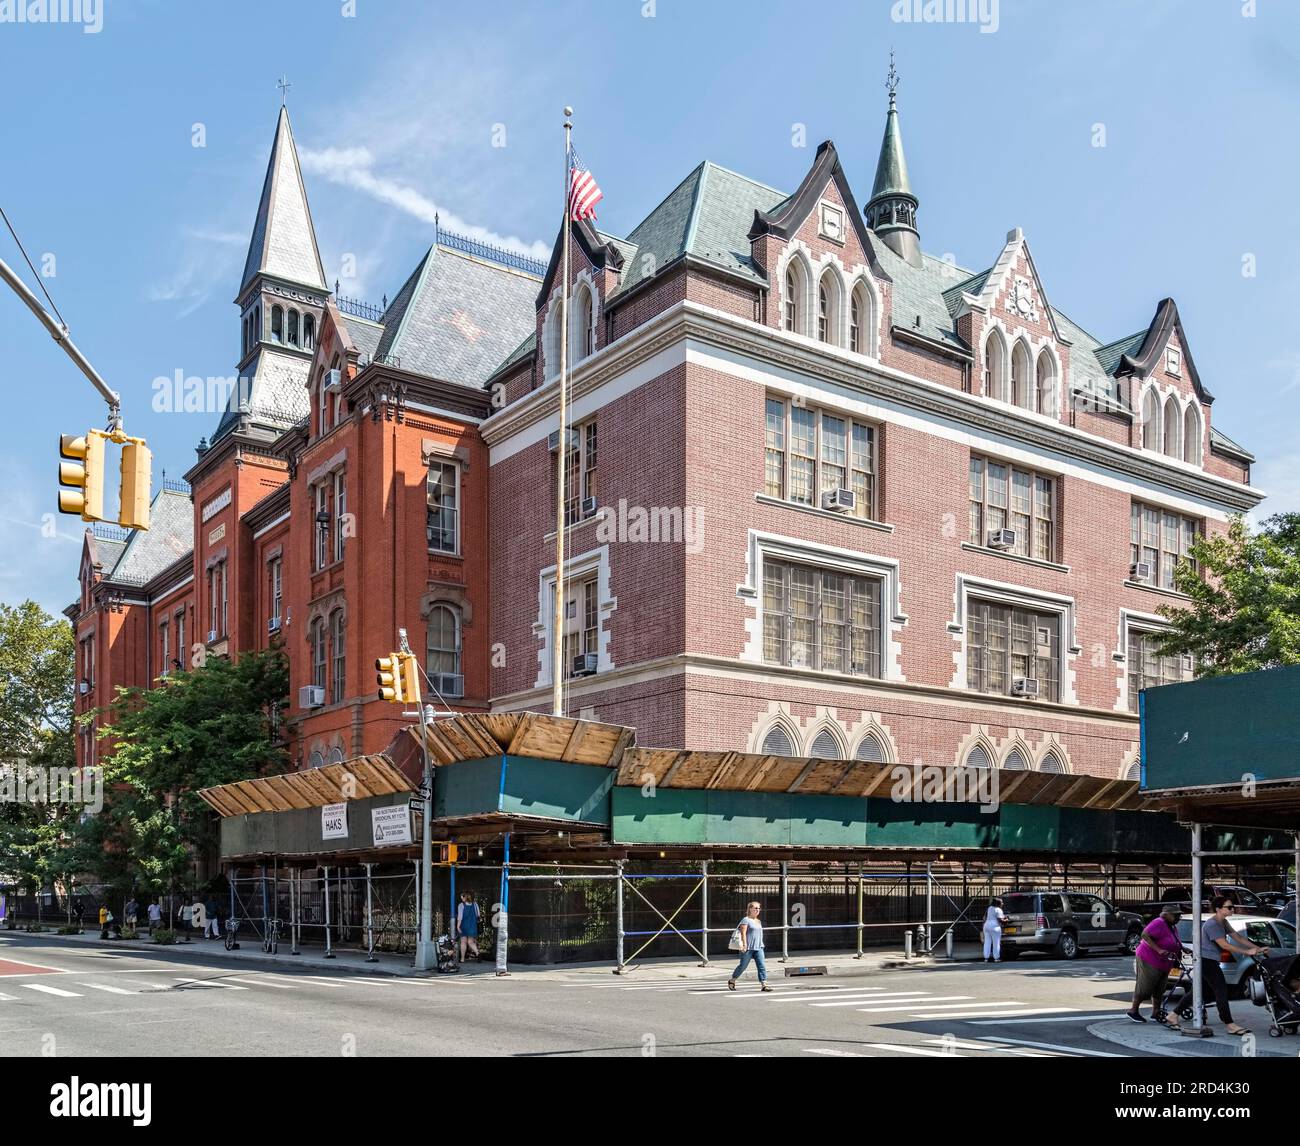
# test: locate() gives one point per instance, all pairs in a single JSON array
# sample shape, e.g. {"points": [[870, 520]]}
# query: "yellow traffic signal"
{"points": [[85, 471], [388, 670], [136, 465], [410, 678], [448, 853]]}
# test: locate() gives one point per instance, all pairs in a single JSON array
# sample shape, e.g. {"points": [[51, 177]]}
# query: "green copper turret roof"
{"points": [[891, 170]]}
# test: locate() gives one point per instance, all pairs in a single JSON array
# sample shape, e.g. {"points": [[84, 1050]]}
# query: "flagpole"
{"points": [[557, 634]]}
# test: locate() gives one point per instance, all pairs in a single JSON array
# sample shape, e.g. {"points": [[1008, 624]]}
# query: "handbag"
{"points": [[736, 943]]}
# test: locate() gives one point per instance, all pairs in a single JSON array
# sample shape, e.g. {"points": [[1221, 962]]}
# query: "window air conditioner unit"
{"points": [[553, 440], [585, 664], [1002, 539], [273, 624], [212, 636], [311, 696], [1024, 686], [449, 684], [333, 379], [840, 500], [589, 507], [84, 687], [1140, 571]]}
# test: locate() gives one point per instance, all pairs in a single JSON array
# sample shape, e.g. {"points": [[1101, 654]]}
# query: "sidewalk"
{"points": [[1152, 1038], [389, 963]]}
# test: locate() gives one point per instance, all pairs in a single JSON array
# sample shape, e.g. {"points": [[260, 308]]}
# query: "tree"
{"points": [[1245, 599], [216, 724]]}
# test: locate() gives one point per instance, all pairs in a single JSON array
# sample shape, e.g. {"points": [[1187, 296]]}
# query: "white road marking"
{"points": [[834, 1052], [1061, 1015], [805, 996], [915, 996], [903, 1048], [209, 983], [1059, 1047], [51, 990], [8, 998], [261, 983], [106, 987]]}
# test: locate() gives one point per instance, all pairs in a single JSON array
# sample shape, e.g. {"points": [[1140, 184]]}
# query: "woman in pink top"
{"points": [[1157, 955]]}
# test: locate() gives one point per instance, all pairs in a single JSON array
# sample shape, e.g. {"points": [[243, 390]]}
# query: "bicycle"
{"points": [[232, 933], [271, 940]]}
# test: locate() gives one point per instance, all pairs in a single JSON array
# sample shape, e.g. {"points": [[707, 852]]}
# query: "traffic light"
{"points": [[448, 853], [85, 472], [388, 670], [137, 462], [410, 670]]}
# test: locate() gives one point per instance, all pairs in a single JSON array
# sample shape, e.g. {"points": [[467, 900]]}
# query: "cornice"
{"points": [[690, 322]]}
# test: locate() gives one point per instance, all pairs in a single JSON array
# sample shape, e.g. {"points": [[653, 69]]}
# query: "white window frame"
{"points": [[442, 463]]}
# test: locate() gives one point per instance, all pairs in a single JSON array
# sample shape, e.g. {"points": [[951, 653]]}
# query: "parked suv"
{"points": [[1064, 922], [1245, 899]]}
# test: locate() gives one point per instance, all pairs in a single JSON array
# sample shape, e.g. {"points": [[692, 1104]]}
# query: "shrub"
{"points": [[164, 935], [73, 930]]}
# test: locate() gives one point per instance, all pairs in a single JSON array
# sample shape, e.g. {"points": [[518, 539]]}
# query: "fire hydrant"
{"points": [[922, 939]]}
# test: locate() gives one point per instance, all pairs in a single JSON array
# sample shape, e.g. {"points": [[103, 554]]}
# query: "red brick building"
{"points": [[829, 496]]}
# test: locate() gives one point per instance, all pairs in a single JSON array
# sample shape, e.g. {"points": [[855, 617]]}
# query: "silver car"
{"points": [[1261, 930], [1066, 922]]}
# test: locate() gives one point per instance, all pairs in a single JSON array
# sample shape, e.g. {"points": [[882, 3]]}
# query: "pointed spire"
{"points": [[891, 210], [284, 239]]}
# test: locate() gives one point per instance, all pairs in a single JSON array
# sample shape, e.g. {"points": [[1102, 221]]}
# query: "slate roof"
{"points": [[1109, 355], [458, 316], [284, 241], [1220, 439], [149, 551], [273, 393], [365, 335]]}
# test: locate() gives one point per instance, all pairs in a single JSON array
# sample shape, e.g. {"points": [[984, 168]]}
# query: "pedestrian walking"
{"points": [[131, 911], [994, 920], [155, 916], [749, 934], [1159, 952], [187, 918], [211, 909], [79, 914], [467, 921], [1217, 935]]}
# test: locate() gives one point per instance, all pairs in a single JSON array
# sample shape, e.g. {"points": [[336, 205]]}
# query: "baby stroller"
{"points": [[1178, 996], [1273, 990], [446, 952]]}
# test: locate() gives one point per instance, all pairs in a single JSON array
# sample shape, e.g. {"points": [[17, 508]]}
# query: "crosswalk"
{"points": [[71, 985]]}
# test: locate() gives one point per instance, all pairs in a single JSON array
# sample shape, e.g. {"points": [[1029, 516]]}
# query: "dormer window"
{"points": [[1173, 361]]}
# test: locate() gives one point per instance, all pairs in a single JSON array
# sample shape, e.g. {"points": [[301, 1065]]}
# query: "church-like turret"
{"points": [[891, 210]]}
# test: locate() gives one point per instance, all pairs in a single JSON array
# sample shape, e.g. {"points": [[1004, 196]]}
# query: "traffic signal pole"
{"points": [[60, 335]]}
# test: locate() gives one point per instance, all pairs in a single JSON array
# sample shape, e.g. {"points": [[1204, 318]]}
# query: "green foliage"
{"points": [[163, 935], [1244, 613], [213, 725]]}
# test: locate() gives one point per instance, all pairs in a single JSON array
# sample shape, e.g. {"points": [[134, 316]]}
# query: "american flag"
{"points": [[583, 192]]}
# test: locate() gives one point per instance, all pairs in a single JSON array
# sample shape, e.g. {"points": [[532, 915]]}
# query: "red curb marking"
{"points": [[8, 967]]}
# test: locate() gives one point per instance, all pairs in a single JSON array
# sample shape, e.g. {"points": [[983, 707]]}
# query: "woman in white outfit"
{"points": [[994, 918]]}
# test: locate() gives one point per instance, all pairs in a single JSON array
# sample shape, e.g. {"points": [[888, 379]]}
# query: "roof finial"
{"points": [[284, 85], [891, 80]]}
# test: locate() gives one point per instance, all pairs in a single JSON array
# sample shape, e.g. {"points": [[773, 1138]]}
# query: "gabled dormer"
{"points": [[595, 266]]}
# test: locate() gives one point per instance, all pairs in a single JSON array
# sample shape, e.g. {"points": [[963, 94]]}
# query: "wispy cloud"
{"points": [[355, 167], [209, 260]]}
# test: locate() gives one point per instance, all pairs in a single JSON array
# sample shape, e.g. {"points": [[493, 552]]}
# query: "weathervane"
{"points": [[284, 85], [891, 81]]}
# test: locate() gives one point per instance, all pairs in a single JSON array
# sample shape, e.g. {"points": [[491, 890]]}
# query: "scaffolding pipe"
{"points": [[329, 947], [295, 910], [785, 910], [503, 917], [704, 914], [861, 919], [370, 918], [1198, 988], [618, 918]]}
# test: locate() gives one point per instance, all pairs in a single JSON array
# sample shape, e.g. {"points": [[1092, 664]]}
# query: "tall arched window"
{"points": [[1173, 428], [871, 750], [1192, 435], [1046, 384], [793, 287], [1150, 421], [825, 746], [338, 658], [277, 324], [1022, 393], [828, 309], [584, 330], [1015, 761], [442, 652], [318, 652], [978, 757], [1052, 763], [777, 742], [995, 366], [308, 332], [862, 323], [823, 312], [293, 328]]}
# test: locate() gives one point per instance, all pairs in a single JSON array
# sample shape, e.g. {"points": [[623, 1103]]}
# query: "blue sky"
{"points": [[397, 106]]}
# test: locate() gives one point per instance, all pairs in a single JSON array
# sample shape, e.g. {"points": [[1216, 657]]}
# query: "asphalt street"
{"points": [[101, 1001]]}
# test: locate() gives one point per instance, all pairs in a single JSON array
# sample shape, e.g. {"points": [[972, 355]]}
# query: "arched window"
{"points": [[316, 759], [1134, 771], [1022, 393], [823, 312], [308, 332], [828, 309], [1015, 761], [862, 327], [978, 757], [1173, 428], [1046, 384], [442, 652], [1150, 421], [995, 366], [336, 755], [1191, 435], [324, 419], [257, 323], [793, 288], [318, 652], [584, 330], [1052, 763], [248, 322], [777, 742], [293, 328], [277, 324], [825, 746], [338, 658], [871, 750]]}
